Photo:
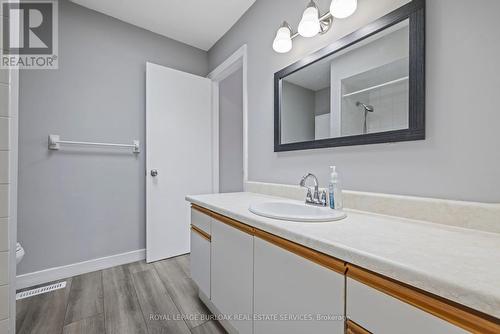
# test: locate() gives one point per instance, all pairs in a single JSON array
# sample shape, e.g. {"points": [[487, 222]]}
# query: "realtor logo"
{"points": [[29, 34]]}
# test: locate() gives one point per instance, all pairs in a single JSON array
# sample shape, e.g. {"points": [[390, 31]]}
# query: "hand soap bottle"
{"points": [[335, 190]]}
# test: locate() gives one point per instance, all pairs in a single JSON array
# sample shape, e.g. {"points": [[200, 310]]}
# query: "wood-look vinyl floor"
{"points": [[136, 298]]}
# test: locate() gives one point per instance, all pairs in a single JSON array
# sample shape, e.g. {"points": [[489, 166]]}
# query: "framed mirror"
{"points": [[366, 88]]}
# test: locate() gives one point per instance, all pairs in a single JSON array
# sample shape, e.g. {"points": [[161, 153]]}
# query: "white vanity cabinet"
{"points": [[293, 294], [264, 284], [200, 251], [232, 274]]}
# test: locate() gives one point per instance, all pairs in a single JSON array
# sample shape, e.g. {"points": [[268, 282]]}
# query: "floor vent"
{"points": [[40, 290]]}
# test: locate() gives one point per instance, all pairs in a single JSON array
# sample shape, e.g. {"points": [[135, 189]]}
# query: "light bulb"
{"points": [[283, 40], [309, 25], [343, 8]]}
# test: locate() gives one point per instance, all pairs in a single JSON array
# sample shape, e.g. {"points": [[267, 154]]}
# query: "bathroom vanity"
{"points": [[367, 273]]}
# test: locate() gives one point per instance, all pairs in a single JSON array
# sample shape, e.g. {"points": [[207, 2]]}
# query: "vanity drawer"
{"points": [[201, 219], [378, 312]]}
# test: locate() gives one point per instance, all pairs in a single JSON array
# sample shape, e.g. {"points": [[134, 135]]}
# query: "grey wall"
{"points": [[297, 121], [459, 159], [81, 204], [231, 133], [322, 101]]}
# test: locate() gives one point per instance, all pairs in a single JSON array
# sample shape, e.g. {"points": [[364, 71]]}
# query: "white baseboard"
{"points": [[53, 274]]}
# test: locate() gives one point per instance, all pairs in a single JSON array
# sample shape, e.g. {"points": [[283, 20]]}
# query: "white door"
{"points": [[178, 156]]}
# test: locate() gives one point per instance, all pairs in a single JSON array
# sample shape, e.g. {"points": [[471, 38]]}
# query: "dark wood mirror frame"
{"points": [[415, 12]]}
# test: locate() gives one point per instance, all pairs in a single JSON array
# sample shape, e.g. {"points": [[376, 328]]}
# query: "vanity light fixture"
{"points": [[312, 23], [309, 26], [283, 40], [341, 9]]}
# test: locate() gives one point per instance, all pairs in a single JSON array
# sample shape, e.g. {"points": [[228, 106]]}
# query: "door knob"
{"points": [[154, 172]]}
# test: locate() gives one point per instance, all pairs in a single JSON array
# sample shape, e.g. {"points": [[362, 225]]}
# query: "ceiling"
{"points": [[314, 77], [199, 23]]}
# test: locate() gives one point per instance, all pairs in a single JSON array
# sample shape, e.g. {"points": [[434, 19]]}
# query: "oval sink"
{"points": [[296, 212]]}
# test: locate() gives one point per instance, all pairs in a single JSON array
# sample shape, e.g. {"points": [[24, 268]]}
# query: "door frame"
{"points": [[234, 62]]}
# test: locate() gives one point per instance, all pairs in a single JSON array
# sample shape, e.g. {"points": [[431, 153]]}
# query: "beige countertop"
{"points": [[462, 265]]}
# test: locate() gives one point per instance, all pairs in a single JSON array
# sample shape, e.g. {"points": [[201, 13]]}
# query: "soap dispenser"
{"points": [[335, 190]]}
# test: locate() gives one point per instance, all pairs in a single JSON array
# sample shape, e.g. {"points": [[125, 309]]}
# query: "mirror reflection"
{"points": [[361, 90]]}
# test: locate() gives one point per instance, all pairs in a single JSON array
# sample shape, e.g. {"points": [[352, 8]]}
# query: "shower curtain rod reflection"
{"points": [[377, 86]]}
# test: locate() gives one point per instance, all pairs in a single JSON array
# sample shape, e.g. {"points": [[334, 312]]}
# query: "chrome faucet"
{"points": [[313, 198]]}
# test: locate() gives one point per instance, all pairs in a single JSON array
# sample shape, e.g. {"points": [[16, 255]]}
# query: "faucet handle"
{"points": [[309, 197], [323, 198]]}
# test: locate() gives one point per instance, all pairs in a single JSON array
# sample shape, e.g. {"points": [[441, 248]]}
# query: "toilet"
{"points": [[19, 253]]}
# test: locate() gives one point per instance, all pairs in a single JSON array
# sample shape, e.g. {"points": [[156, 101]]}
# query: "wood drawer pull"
{"points": [[202, 233], [304, 252], [354, 328], [201, 209]]}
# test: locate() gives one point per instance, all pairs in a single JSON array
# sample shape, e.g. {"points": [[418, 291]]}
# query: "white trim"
{"points": [[237, 60], [57, 273], [13, 179], [147, 157], [215, 136], [13, 162]]}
